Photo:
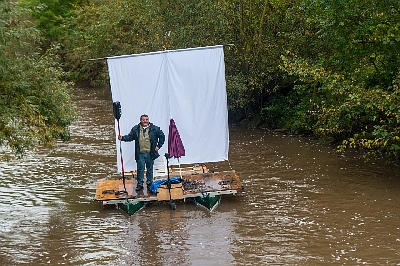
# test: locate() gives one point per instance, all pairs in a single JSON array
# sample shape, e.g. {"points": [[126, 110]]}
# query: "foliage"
{"points": [[35, 104], [381, 135], [321, 67], [258, 29], [51, 17], [238, 100], [352, 83], [261, 31], [192, 23], [288, 111], [105, 28]]}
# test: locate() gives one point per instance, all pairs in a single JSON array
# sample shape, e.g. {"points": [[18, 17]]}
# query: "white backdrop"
{"points": [[187, 85]]}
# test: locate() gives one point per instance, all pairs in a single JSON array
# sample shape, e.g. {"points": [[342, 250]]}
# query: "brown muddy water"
{"points": [[303, 204]]}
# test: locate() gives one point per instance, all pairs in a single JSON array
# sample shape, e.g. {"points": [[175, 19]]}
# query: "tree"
{"points": [[35, 103], [51, 17], [259, 29], [350, 90], [104, 28]]}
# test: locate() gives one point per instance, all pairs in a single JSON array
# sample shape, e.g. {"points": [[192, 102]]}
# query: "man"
{"points": [[149, 138]]}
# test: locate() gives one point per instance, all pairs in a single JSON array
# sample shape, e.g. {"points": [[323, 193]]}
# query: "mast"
{"points": [[166, 35]]}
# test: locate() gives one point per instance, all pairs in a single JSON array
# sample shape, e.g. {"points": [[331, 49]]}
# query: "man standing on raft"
{"points": [[149, 138]]}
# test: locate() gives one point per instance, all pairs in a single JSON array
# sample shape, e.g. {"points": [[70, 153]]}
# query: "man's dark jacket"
{"points": [[156, 135]]}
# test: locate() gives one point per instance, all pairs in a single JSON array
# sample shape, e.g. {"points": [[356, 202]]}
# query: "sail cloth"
{"points": [[175, 145], [188, 85]]}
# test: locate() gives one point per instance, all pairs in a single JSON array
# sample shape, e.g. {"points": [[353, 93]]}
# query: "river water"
{"points": [[303, 204]]}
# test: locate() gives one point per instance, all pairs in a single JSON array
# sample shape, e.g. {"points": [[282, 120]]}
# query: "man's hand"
{"points": [[119, 137], [157, 148]]}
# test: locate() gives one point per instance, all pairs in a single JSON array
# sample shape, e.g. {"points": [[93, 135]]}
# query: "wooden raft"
{"points": [[193, 184]]}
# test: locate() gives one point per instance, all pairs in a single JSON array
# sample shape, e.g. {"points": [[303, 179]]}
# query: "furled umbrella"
{"points": [[175, 145]]}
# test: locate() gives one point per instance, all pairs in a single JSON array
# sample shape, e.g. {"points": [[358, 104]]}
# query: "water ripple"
{"points": [[303, 204]]}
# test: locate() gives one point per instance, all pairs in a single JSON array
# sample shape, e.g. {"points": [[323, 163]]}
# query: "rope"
{"points": [[229, 163]]}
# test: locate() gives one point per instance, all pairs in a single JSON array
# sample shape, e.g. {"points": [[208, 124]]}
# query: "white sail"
{"points": [[188, 85]]}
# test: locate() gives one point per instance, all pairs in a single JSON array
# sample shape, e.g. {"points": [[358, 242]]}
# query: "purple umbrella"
{"points": [[175, 145]]}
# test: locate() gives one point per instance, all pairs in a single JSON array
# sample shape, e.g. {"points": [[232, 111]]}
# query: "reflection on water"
{"points": [[303, 204]]}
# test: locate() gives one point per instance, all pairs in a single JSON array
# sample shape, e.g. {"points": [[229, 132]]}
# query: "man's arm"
{"points": [[161, 138], [130, 136]]}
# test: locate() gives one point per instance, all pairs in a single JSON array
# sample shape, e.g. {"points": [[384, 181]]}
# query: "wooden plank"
{"points": [[219, 181], [108, 189], [176, 192]]}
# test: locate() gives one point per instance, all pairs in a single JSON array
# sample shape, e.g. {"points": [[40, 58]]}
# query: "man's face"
{"points": [[144, 121]]}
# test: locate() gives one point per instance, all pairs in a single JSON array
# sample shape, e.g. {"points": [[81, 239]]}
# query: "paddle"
{"points": [[117, 114]]}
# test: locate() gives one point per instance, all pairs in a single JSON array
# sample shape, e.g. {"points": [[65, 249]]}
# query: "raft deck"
{"points": [[194, 184]]}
